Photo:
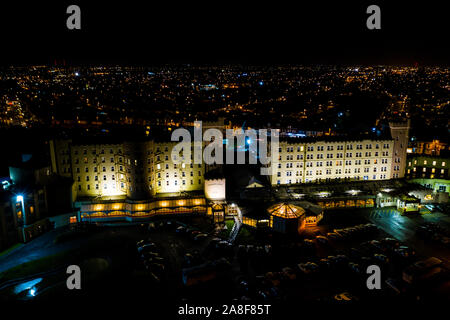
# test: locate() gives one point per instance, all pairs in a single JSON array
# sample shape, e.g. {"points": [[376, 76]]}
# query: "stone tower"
{"points": [[400, 135]]}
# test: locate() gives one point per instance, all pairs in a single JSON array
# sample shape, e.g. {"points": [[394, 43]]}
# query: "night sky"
{"points": [[157, 32]]}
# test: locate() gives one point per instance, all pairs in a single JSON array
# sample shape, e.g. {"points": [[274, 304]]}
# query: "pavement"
{"points": [[38, 248]]}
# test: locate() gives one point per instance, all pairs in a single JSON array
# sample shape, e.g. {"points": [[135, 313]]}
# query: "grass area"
{"points": [[226, 233], [39, 265], [245, 235], [5, 252]]}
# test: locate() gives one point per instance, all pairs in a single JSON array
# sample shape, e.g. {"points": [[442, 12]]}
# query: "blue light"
{"points": [[32, 292], [373, 129], [19, 199], [261, 83], [77, 74], [249, 141]]}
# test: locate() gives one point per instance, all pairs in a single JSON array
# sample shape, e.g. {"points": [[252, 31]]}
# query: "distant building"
{"points": [[40, 199], [431, 148], [429, 171], [8, 221]]}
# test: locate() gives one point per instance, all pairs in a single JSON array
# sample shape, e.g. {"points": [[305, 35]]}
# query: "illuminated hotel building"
{"points": [[129, 180], [329, 158], [132, 170]]}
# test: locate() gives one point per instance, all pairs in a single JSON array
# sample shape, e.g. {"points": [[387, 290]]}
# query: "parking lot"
{"points": [[184, 259]]}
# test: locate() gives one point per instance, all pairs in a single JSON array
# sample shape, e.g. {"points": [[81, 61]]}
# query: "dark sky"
{"points": [[155, 32]]}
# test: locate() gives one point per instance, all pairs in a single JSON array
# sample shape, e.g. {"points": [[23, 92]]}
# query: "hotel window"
{"points": [[425, 161], [105, 186], [443, 164], [167, 182], [96, 187], [104, 177], [96, 178], [88, 187], [86, 169], [424, 170], [434, 163], [87, 178], [442, 171], [113, 177]]}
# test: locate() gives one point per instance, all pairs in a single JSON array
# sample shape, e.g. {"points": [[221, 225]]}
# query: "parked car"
{"points": [[345, 296], [322, 240], [308, 268], [381, 258], [149, 254], [180, 229], [146, 247], [200, 237]]}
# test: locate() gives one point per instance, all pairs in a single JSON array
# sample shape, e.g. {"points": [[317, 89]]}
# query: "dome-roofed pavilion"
{"points": [[286, 217]]}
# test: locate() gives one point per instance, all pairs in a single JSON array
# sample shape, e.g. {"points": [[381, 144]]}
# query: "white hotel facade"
{"points": [[330, 158]]}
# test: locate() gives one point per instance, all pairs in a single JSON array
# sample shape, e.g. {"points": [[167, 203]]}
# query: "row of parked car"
{"points": [[361, 231], [348, 266], [435, 233], [192, 233], [151, 259]]}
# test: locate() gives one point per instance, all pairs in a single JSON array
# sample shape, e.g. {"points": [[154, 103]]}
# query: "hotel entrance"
{"points": [[218, 213]]}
